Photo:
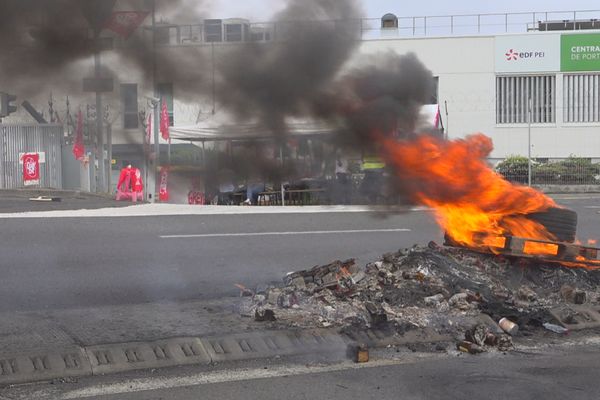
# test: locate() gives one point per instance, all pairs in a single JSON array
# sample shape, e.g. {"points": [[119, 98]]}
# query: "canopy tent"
{"points": [[221, 132], [215, 129]]}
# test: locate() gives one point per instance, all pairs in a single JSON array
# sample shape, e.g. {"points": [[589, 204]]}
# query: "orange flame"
{"points": [[468, 197], [542, 249]]}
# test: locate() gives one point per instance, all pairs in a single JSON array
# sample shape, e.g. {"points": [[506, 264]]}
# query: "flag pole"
{"points": [[153, 165]]}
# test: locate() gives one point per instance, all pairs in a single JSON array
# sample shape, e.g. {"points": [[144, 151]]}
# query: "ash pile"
{"points": [[479, 300]]}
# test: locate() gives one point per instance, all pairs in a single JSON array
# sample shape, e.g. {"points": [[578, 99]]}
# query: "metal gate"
{"points": [[41, 138]]}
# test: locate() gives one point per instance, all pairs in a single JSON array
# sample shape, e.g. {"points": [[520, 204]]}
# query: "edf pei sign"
{"points": [[547, 53]]}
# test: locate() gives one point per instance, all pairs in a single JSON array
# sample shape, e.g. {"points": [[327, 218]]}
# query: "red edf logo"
{"points": [[511, 55], [31, 169]]}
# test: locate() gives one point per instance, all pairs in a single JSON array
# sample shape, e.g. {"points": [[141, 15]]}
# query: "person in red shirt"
{"points": [[130, 184], [124, 184], [136, 183]]}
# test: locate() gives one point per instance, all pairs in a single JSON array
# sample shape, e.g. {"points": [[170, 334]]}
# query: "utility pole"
{"points": [[153, 151], [109, 153], [447, 120], [529, 142], [96, 12], [281, 188], [212, 75], [157, 106], [99, 116]]}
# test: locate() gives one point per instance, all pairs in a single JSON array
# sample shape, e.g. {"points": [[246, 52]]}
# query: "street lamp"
{"points": [[529, 142]]}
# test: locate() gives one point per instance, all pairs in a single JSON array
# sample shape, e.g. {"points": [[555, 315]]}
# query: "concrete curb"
{"points": [[59, 363], [119, 357], [101, 359]]}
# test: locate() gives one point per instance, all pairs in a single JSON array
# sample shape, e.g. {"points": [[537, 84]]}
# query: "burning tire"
{"points": [[561, 222]]}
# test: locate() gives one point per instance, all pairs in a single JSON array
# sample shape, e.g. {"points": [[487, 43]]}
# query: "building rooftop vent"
{"points": [[569, 25], [389, 21]]}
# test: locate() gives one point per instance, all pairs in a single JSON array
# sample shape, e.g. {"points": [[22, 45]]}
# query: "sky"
{"points": [[262, 10]]}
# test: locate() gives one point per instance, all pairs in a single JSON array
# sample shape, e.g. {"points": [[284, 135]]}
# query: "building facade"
{"points": [[517, 82]]}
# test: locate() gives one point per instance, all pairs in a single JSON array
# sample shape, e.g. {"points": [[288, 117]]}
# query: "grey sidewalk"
{"points": [[17, 200], [59, 344], [32, 331]]}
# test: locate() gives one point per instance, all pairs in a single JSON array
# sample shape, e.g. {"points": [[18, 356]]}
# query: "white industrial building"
{"points": [[484, 80], [485, 83], [491, 70]]}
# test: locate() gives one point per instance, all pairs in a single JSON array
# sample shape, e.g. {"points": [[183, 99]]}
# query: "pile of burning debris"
{"points": [[480, 300]]}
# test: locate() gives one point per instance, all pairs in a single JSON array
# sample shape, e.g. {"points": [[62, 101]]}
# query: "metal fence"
{"points": [[570, 171], [474, 24], [18, 139], [371, 28]]}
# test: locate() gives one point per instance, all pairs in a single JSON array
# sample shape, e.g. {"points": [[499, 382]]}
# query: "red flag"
{"points": [[124, 183], [164, 121], [149, 129], [125, 23], [436, 121], [31, 169], [163, 191], [78, 148]]}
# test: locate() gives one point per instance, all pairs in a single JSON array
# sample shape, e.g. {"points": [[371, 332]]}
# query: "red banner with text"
{"points": [[31, 169]]}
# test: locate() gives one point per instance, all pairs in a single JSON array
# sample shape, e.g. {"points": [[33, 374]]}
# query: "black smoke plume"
{"points": [[314, 38], [38, 41], [42, 40], [381, 97]]}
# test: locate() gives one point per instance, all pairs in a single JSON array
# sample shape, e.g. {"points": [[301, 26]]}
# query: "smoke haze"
{"points": [[276, 80]]}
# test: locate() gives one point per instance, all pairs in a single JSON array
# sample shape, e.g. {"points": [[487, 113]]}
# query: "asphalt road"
{"points": [[66, 262], [570, 373]]}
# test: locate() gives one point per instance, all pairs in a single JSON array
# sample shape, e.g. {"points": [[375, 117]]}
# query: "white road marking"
{"points": [[209, 235], [230, 375], [152, 210]]}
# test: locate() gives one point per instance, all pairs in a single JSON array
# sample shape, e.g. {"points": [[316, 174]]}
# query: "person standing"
{"points": [[342, 176]]}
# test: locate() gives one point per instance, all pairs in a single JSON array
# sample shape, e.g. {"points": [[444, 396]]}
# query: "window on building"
{"points": [[190, 33], [233, 32], [581, 99], [166, 35], [434, 94], [213, 30], [129, 99], [165, 91], [259, 34], [515, 93]]}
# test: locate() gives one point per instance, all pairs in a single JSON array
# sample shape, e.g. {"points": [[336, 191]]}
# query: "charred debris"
{"points": [[478, 301]]}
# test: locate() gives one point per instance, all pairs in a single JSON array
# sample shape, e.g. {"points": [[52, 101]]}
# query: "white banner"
{"points": [[527, 53]]}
